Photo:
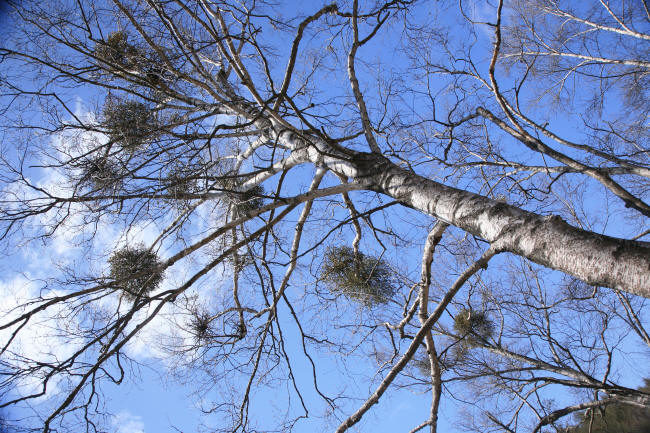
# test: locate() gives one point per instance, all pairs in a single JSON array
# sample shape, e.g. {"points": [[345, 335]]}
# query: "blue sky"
{"points": [[152, 402]]}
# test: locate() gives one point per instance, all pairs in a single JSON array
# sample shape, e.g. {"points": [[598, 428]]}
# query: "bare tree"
{"points": [[452, 197]]}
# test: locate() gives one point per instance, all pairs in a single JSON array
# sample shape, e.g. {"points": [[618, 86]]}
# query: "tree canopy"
{"points": [[332, 202], [620, 418]]}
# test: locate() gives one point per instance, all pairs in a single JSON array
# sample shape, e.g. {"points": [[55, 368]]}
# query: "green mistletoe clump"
{"points": [[360, 277], [136, 270]]}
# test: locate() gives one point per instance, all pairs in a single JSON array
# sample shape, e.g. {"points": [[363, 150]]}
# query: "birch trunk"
{"points": [[596, 259]]}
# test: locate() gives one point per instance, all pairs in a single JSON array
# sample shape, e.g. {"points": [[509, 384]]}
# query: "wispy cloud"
{"points": [[126, 422], [45, 265], [39, 339]]}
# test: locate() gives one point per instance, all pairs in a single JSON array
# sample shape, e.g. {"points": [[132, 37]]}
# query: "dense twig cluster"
{"points": [[100, 174], [200, 325], [136, 271], [473, 325], [180, 182], [117, 51], [242, 201], [123, 57], [128, 122], [248, 200], [364, 278]]}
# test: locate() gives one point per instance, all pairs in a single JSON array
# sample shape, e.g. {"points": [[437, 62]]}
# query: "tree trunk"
{"points": [[548, 240]]}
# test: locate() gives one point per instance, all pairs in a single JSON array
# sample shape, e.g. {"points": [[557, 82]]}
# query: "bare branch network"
{"points": [[333, 205]]}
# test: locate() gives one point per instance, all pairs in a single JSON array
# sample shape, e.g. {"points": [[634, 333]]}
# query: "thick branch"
{"points": [[417, 340], [596, 259]]}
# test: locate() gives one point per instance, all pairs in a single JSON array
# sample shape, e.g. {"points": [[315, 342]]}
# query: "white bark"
{"points": [[596, 259]]}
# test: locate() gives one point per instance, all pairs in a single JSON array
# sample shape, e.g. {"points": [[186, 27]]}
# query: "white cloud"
{"points": [[126, 422], [40, 339], [44, 337]]}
